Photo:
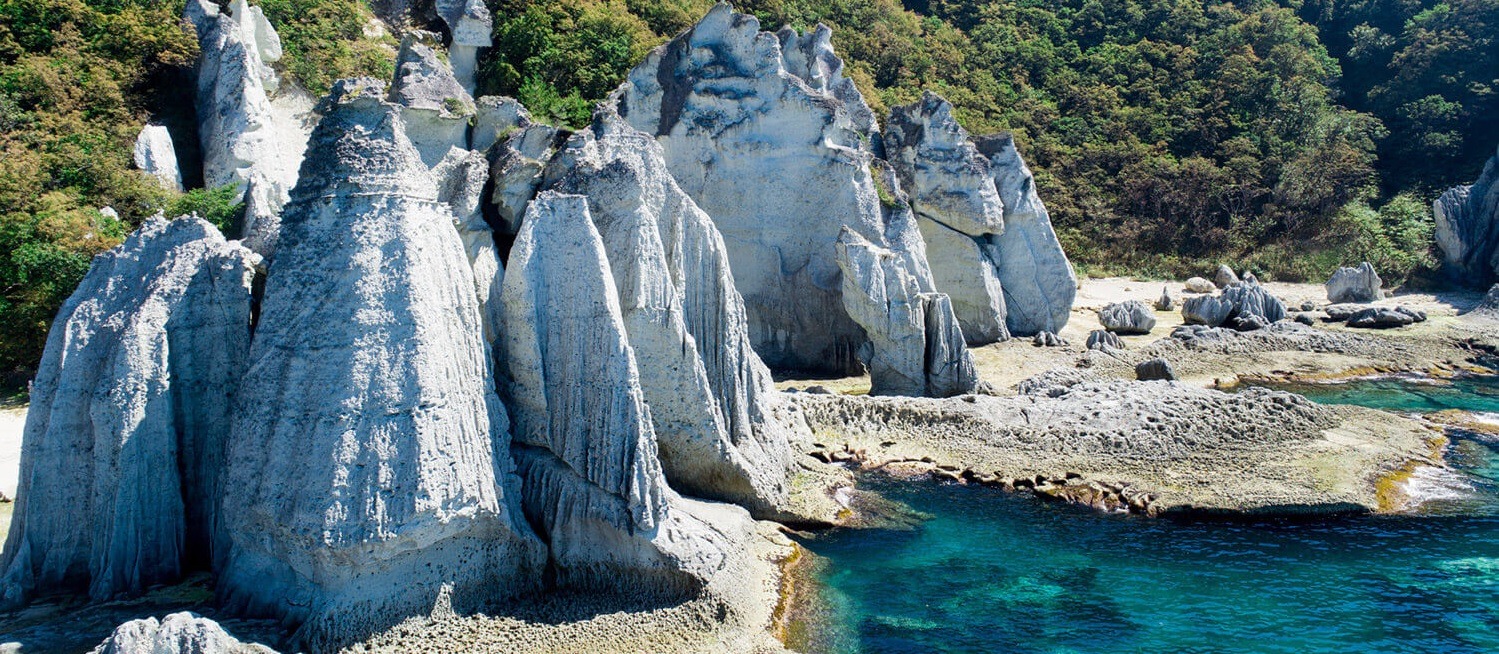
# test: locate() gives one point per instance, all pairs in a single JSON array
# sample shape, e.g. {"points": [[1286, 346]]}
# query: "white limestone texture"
{"points": [[519, 159], [470, 24], [583, 435], [461, 177], [917, 347], [1039, 283], [369, 447], [711, 399], [435, 107], [177, 633], [782, 164], [136, 381], [496, 117], [1360, 284], [248, 141], [155, 155], [1467, 228]]}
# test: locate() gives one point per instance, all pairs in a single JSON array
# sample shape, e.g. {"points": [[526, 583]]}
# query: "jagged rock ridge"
{"points": [[136, 382], [1467, 227]]}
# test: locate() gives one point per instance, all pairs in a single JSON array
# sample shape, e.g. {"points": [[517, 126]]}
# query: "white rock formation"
{"points": [[917, 347], [470, 24], [247, 141], [1359, 284], [178, 633], [518, 162], [1038, 280], [583, 438], [1467, 227], [1128, 317], [155, 156], [435, 108], [711, 400], [958, 209], [135, 383], [369, 448], [781, 163], [497, 117], [460, 177]]}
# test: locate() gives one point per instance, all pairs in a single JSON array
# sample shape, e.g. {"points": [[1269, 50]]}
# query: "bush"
{"points": [[220, 206]]}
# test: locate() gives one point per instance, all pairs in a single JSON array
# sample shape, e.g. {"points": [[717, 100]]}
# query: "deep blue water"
{"points": [[988, 571]]}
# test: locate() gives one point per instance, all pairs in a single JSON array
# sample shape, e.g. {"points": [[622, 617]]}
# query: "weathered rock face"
{"points": [[781, 164], [1101, 339], [1038, 280], [124, 445], [461, 177], [1225, 277], [497, 116], [1359, 284], [434, 106], [583, 437], [155, 156], [711, 400], [1155, 370], [917, 348], [369, 449], [1245, 304], [1467, 227], [518, 160], [246, 142], [958, 210], [1200, 285], [470, 24], [1130, 317], [178, 633]]}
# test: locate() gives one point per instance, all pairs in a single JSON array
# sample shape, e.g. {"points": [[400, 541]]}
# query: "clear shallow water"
{"points": [[991, 571]]}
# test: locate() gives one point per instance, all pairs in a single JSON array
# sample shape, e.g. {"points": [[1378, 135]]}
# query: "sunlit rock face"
{"points": [[583, 434], [130, 413], [435, 107], [1467, 227], [470, 24], [248, 142], [370, 450], [782, 164], [155, 155]]}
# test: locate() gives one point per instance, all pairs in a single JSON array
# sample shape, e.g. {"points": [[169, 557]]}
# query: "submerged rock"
{"points": [[1128, 317], [370, 449], [1359, 284], [782, 164], [178, 633], [584, 438], [246, 142], [154, 155], [130, 412], [1467, 227]]}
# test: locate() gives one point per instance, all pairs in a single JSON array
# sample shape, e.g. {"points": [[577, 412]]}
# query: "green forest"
{"points": [[1286, 137]]}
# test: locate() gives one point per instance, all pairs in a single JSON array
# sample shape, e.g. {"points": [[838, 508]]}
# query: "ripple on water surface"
{"points": [[991, 571]]}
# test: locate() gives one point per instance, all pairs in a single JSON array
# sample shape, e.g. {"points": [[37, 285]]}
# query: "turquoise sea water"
{"points": [[988, 571]]}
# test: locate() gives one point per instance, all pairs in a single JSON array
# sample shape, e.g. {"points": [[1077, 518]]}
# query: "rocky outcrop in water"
{"points": [[130, 414], [1467, 227], [178, 633], [781, 164], [1359, 284], [584, 437], [247, 142], [369, 448], [154, 155]]}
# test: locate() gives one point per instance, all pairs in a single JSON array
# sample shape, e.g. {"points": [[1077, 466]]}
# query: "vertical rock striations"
{"points": [[124, 444], [246, 141], [584, 438], [1467, 227], [781, 163], [369, 449]]}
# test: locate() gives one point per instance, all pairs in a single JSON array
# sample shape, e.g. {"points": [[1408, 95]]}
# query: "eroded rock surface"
{"points": [[1467, 227], [435, 107], [1359, 284], [470, 24], [154, 155], [1128, 317], [124, 446], [178, 633], [370, 449]]}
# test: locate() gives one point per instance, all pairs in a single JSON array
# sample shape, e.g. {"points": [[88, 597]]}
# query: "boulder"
{"points": [[1245, 305], [783, 165], [1381, 318], [1129, 317], [247, 142], [713, 403], [1200, 285], [123, 452], [1307, 317], [435, 107], [370, 449], [1467, 227], [177, 633], [584, 437], [1249, 323], [1359, 284], [1342, 312], [1100, 339], [916, 345], [1225, 276], [154, 155], [1048, 339], [1165, 303], [1155, 370], [1490, 303], [1206, 310]]}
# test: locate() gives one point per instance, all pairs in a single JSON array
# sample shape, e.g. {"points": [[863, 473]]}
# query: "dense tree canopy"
{"points": [[1285, 135]]}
